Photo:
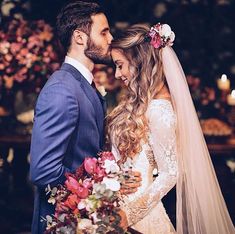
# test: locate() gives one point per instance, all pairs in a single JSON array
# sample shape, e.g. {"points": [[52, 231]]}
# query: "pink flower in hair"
{"points": [[161, 35]]}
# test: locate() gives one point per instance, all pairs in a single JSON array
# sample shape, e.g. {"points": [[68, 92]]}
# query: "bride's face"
{"points": [[122, 66]]}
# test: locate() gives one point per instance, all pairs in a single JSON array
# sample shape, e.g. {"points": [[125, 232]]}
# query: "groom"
{"points": [[69, 115]]}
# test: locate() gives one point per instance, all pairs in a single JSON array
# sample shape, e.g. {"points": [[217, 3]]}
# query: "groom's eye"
{"points": [[119, 66]]}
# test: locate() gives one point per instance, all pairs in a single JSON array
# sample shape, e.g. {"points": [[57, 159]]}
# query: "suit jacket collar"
{"points": [[80, 67]]}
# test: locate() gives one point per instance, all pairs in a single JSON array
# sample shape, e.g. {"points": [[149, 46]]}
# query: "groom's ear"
{"points": [[79, 37]]}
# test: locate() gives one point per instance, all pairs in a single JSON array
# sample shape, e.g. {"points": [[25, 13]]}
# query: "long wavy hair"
{"points": [[127, 124]]}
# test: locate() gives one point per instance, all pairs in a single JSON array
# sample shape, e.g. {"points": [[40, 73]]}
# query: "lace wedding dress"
{"points": [[144, 209]]}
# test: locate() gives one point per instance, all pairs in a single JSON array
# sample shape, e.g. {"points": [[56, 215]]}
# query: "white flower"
{"points": [[94, 216], [85, 224], [165, 30], [172, 36], [111, 166], [127, 165], [112, 184], [81, 204], [90, 205]]}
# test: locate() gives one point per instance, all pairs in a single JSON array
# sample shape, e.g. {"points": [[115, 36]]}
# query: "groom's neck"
{"points": [[82, 58]]}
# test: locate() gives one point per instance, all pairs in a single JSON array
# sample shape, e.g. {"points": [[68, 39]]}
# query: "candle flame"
{"points": [[223, 77]]}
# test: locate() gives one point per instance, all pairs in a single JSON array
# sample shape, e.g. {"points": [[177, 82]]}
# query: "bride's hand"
{"points": [[131, 184]]}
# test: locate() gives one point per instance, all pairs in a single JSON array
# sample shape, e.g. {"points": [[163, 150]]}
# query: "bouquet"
{"points": [[88, 202]]}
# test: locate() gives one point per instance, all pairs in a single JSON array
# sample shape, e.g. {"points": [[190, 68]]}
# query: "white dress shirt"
{"points": [[80, 67]]}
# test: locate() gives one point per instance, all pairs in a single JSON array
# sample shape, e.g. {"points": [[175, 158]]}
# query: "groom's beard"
{"points": [[95, 53]]}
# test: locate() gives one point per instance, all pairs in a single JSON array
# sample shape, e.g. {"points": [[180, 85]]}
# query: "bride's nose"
{"points": [[118, 74]]}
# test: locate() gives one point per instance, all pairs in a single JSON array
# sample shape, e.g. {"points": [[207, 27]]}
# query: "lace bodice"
{"points": [[160, 150]]}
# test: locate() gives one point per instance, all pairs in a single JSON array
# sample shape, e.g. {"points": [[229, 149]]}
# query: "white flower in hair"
{"points": [[172, 36], [165, 30]]}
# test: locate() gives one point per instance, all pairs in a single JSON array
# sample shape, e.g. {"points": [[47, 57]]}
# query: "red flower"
{"points": [[82, 192], [90, 165], [76, 211], [75, 187], [72, 201]]}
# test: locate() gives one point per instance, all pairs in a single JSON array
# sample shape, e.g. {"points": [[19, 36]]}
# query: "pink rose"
{"points": [[99, 174], [156, 42], [72, 184], [90, 165]]}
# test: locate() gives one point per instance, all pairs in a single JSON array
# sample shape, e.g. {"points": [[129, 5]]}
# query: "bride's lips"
{"points": [[125, 80]]}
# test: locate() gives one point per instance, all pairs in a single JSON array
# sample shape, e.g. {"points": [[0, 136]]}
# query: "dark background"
{"points": [[205, 44]]}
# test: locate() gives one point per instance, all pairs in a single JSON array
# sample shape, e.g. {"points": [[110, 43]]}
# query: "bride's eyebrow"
{"points": [[117, 61]]}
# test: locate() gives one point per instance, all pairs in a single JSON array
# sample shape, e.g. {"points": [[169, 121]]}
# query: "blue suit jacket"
{"points": [[68, 126]]}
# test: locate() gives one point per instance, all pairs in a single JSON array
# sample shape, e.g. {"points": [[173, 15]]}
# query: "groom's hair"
{"points": [[75, 15]]}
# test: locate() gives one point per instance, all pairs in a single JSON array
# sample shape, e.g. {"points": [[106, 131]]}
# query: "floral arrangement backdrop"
{"points": [[204, 41], [28, 56]]}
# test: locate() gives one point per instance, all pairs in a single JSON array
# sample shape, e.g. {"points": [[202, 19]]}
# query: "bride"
{"points": [[157, 127]]}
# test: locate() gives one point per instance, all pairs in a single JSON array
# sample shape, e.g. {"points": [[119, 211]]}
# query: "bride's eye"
{"points": [[119, 66]]}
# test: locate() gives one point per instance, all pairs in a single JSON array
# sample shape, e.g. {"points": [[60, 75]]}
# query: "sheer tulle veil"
{"points": [[200, 205]]}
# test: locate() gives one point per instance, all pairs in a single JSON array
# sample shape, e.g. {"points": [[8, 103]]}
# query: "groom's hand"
{"points": [[123, 221], [131, 184]]}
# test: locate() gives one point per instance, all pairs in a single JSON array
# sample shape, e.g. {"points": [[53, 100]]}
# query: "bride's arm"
{"points": [[162, 124]]}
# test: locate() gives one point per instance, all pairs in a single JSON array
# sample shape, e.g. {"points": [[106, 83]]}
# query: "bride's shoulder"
{"points": [[160, 105], [161, 110]]}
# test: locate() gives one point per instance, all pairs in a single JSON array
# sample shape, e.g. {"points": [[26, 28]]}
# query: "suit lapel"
{"points": [[103, 101], [90, 93]]}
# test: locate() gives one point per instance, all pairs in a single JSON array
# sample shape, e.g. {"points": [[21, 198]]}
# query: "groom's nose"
{"points": [[110, 38]]}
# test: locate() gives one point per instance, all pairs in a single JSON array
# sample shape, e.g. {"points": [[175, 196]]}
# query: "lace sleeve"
{"points": [[162, 122]]}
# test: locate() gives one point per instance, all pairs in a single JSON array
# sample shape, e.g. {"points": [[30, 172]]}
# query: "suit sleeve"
{"points": [[55, 119]]}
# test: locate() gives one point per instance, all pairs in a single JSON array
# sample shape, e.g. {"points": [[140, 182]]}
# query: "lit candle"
{"points": [[223, 83], [231, 98]]}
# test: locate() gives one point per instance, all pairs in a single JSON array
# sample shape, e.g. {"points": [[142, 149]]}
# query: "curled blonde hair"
{"points": [[127, 124]]}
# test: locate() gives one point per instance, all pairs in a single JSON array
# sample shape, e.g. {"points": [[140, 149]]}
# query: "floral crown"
{"points": [[160, 35]]}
